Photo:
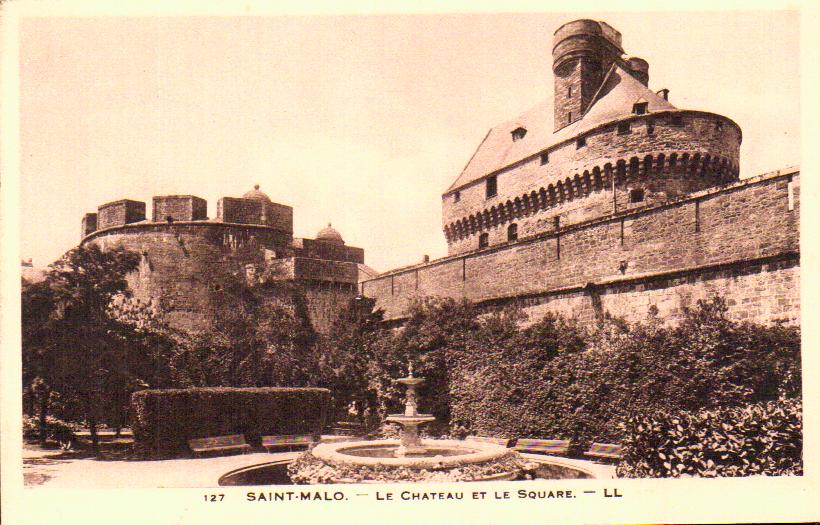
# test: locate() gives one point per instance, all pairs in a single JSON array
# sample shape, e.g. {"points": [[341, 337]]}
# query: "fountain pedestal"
{"points": [[411, 419]]}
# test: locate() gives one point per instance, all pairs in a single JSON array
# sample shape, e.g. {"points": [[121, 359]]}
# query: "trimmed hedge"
{"points": [[759, 439], [164, 420]]}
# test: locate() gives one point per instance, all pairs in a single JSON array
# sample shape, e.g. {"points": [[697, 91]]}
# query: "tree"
{"points": [[346, 354], [261, 336], [36, 308], [71, 341]]}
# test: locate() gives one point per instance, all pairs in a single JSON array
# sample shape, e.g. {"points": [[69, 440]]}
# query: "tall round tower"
{"points": [[582, 52]]}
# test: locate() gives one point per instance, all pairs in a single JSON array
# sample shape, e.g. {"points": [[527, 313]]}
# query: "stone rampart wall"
{"points": [[749, 222]]}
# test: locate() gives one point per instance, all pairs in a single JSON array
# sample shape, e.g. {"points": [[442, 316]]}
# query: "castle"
{"points": [[609, 199], [187, 258], [606, 200]]}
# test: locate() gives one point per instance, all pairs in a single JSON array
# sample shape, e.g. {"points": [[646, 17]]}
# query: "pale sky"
{"points": [[362, 121]]}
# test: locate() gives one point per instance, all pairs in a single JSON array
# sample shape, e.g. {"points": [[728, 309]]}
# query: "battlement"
{"points": [[255, 208], [187, 259], [171, 208]]}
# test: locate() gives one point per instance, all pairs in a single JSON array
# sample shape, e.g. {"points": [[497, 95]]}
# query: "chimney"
{"points": [[664, 93], [425, 259]]}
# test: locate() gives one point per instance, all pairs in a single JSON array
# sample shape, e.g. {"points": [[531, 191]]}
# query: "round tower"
{"points": [[582, 53]]}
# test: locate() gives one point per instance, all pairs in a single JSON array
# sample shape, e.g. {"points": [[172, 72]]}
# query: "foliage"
{"points": [[56, 430], [261, 336], [435, 332], [164, 420], [71, 345], [553, 380], [346, 354], [758, 439]]}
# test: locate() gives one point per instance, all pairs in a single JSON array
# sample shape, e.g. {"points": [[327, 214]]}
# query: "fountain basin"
{"points": [[381, 461], [455, 453], [548, 467]]}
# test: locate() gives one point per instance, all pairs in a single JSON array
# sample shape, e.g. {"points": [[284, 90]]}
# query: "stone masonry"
{"points": [[188, 260], [626, 203]]}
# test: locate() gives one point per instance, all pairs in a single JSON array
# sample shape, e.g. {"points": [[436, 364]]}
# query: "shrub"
{"points": [[758, 439], [56, 430], [164, 420], [551, 380]]}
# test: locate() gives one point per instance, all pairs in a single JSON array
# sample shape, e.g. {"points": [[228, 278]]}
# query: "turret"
{"points": [[582, 53]]}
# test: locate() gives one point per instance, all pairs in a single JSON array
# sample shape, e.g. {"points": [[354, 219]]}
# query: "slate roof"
{"points": [[614, 100]]}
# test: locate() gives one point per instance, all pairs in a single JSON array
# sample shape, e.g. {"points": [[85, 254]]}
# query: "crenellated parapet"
{"points": [[605, 143], [187, 258]]}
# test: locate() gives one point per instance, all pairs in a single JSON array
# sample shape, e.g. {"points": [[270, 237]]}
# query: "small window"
{"points": [[545, 158], [636, 195], [518, 133], [650, 126], [623, 128], [483, 240], [581, 142], [640, 108], [676, 121], [492, 186], [456, 196], [569, 117], [512, 232], [569, 91], [718, 125]]}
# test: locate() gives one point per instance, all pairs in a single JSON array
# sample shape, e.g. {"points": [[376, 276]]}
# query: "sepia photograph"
{"points": [[396, 256]]}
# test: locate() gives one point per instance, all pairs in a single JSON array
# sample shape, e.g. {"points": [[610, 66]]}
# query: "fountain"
{"points": [[408, 459], [411, 444]]}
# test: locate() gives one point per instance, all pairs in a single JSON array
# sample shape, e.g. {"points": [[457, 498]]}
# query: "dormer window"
{"points": [[456, 196], [640, 108], [545, 158], [518, 133]]}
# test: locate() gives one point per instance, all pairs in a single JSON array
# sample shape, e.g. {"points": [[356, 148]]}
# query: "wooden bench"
{"points": [[348, 428], [605, 450], [557, 447], [496, 441], [289, 441], [219, 443]]}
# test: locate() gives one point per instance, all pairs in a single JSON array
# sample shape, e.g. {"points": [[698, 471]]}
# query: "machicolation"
{"points": [[609, 199]]}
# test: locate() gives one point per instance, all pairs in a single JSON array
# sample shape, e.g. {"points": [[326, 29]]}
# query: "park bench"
{"points": [[557, 447], [496, 441], [293, 440], [219, 443], [605, 450], [348, 428]]}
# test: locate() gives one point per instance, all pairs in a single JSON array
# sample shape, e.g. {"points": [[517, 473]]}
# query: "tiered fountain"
{"points": [[411, 444], [407, 459]]}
